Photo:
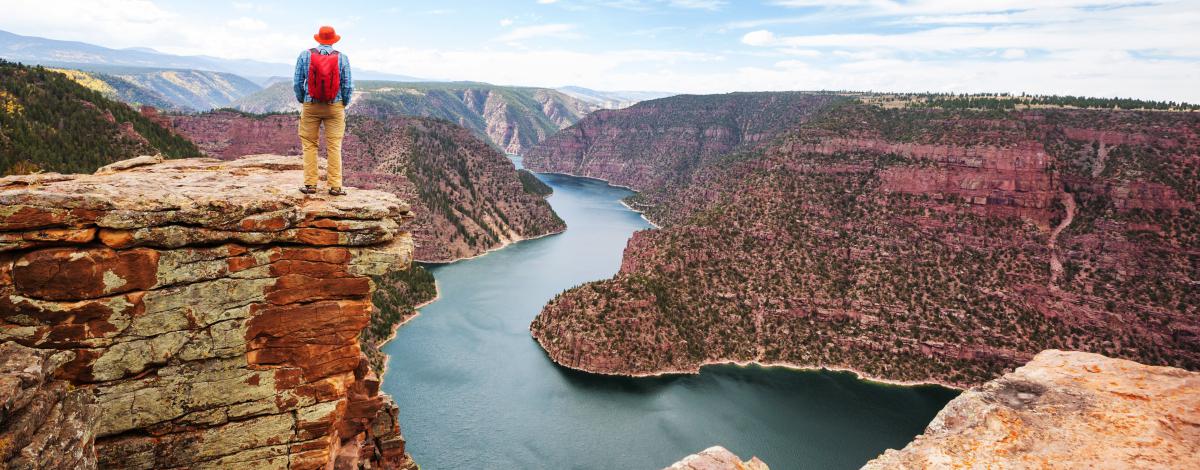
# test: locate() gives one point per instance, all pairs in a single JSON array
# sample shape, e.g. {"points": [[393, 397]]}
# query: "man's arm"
{"points": [[300, 76], [347, 79]]}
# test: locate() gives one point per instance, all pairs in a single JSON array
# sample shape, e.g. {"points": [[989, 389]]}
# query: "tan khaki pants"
{"points": [[333, 116]]}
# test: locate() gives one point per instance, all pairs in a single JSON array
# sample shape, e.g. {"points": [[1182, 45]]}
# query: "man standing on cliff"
{"points": [[323, 84]]}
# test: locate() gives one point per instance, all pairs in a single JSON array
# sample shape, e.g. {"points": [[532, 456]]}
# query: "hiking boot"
{"points": [[309, 189], [337, 192]]}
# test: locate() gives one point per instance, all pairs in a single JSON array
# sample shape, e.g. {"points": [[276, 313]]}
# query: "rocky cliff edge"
{"points": [[209, 310], [1065, 410]]}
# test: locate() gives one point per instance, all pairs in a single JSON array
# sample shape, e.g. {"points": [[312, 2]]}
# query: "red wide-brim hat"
{"points": [[326, 35]]}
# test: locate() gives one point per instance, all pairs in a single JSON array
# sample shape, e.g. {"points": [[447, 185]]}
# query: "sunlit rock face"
{"points": [[1065, 410], [717, 458], [210, 310]]}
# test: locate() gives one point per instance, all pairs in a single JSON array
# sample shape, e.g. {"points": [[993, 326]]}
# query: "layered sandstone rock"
{"points": [[717, 458], [44, 423], [1065, 410], [659, 142], [212, 310]]}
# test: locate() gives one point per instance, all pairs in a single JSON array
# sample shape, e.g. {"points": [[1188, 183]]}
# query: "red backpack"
{"points": [[324, 78]]}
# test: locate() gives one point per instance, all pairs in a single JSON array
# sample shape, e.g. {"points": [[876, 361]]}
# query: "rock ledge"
{"points": [[211, 310], [1065, 410]]}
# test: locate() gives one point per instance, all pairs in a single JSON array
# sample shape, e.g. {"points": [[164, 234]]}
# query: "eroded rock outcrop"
{"points": [[717, 458], [44, 423], [1065, 410], [212, 310]]}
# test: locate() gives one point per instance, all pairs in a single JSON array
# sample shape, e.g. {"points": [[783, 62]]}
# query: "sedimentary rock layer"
{"points": [[213, 311], [44, 423], [467, 196], [1065, 410], [924, 244], [717, 458], [661, 142]]}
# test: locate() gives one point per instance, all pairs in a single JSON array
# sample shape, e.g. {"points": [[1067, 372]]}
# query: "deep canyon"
{"points": [[202, 313], [476, 392]]}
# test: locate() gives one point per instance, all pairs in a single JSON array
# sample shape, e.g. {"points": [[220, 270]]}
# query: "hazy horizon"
{"points": [[1147, 50]]}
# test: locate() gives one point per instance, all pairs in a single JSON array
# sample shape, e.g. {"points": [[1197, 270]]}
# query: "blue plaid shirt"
{"points": [[300, 79]]}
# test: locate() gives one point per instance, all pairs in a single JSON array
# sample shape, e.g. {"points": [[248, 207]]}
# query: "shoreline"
{"points": [[610, 183], [858, 374], [642, 214], [438, 294], [501, 246], [416, 312]]}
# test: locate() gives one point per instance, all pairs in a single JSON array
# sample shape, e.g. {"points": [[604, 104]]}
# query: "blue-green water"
{"points": [[476, 392]]}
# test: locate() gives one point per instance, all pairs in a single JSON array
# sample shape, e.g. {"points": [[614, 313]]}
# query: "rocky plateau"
{"points": [[1064, 410]]}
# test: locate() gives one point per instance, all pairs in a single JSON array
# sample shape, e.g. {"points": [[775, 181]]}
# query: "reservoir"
{"points": [[477, 392]]}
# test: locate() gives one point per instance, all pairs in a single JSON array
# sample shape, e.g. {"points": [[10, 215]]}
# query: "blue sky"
{"points": [[1147, 49]]}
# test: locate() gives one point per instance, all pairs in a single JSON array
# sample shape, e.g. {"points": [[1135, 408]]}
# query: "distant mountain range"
{"points": [[72, 54], [170, 89], [513, 118], [613, 99]]}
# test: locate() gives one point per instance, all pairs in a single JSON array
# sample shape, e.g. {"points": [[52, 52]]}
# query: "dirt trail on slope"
{"points": [[1056, 267]]}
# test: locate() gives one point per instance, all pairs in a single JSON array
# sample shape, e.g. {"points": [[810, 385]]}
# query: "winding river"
{"points": [[476, 392]]}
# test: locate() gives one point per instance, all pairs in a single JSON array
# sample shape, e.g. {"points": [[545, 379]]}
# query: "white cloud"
{"points": [[546, 2], [131, 23], [761, 37], [246, 24], [557, 30], [699, 4], [1013, 54], [506, 22], [1142, 50]]}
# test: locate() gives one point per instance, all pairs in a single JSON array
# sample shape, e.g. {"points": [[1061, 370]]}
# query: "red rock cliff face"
{"points": [[657, 142], [212, 312], [467, 196], [909, 244]]}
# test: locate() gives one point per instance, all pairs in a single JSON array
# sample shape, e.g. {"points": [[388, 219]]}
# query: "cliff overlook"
{"points": [[208, 312], [935, 243], [467, 196], [1065, 410]]}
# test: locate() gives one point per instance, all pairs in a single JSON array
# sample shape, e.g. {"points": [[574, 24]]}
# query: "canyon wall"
{"points": [[663, 141], [206, 312], [1064, 410], [468, 197], [911, 245]]}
